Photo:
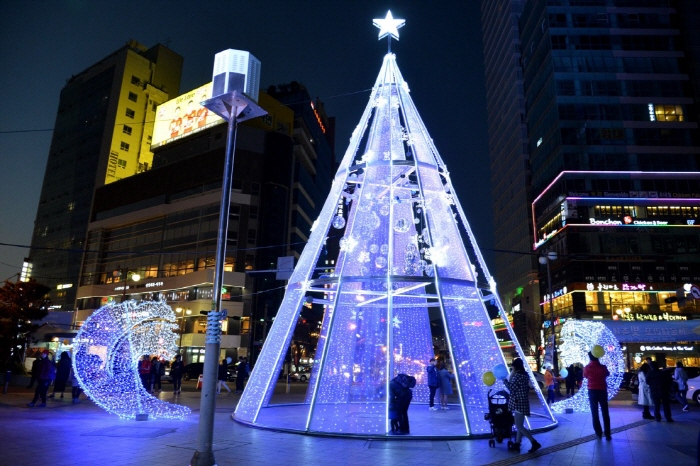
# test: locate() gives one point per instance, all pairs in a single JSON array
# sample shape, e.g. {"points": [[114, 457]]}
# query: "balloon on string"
{"points": [[598, 351], [564, 373], [488, 378], [500, 371]]}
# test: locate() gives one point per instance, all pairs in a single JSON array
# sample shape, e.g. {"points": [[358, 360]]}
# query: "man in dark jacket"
{"points": [[660, 383], [241, 374], [597, 373], [432, 383], [47, 372], [35, 371]]}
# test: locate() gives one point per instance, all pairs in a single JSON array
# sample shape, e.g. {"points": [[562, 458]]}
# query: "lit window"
{"points": [[668, 112], [124, 146], [121, 163]]}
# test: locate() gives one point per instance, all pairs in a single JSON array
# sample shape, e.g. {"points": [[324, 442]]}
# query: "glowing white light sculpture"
{"points": [[107, 349], [578, 338], [389, 26], [402, 257]]}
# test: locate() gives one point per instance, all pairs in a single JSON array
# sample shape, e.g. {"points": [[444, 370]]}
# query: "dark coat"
{"points": [[660, 382], [176, 369], [223, 372]]}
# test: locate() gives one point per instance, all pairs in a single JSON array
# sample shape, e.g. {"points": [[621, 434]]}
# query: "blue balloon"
{"points": [[500, 371], [564, 373]]}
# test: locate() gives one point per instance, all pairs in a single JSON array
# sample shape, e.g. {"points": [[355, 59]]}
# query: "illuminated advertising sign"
{"points": [[183, 116]]}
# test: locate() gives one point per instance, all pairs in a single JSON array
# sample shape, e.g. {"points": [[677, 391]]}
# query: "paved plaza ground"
{"points": [[83, 434]]}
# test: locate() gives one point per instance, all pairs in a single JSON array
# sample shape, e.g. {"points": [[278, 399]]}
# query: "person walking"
{"points": [[432, 383], [47, 373], [176, 371], [62, 374], [241, 374], [681, 378], [597, 373], [644, 398], [76, 389], [660, 383], [549, 383], [445, 379], [570, 381], [144, 368], [519, 403], [223, 370], [157, 372], [35, 371]]}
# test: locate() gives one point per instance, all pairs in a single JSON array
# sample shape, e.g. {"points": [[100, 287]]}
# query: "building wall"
{"points": [[89, 118]]}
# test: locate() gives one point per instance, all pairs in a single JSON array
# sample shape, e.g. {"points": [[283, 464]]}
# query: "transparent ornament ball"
{"points": [[401, 225], [384, 249], [384, 210], [422, 265], [338, 222], [410, 256], [426, 236], [380, 262], [365, 231], [419, 210], [343, 243], [365, 205], [416, 220], [429, 271], [410, 247], [374, 249]]}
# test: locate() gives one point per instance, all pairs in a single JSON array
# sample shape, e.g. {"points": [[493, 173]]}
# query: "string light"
{"points": [[106, 353], [578, 338]]}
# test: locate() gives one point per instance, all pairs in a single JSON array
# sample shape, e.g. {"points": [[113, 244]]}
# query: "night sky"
{"points": [[329, 46]]}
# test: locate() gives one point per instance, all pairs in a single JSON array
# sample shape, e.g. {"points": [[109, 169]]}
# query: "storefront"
{"points": [[665, 342]]}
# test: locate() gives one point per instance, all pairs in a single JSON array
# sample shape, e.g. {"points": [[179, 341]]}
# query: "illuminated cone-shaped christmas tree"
{"points": [[402, 262]]}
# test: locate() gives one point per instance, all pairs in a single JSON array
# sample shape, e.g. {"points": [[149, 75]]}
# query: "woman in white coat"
{"points": [[644, 397]]}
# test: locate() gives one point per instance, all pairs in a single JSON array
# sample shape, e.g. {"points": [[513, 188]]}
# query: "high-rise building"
{"points": [[611, 103], [102, 134], [162, 225], [516, 266]]}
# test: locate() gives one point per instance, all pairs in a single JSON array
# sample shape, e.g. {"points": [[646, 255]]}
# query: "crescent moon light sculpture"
{"points": [[579, 337], [106, 353]]}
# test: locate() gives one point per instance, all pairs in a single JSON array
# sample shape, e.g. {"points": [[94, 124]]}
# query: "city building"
{"points": [[102, 134], [516, 265], [162, 224], [611, 112]]}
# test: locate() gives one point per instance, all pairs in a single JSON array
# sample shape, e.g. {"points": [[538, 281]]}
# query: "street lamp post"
{"points": [[545, 260], [233, 106]]}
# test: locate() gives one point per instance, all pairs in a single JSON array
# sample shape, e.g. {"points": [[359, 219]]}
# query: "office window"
{"points": [[130, 113], [133, 97], [126, 129], [668, 112], [124, 146], [253, 211], [121, 163]]}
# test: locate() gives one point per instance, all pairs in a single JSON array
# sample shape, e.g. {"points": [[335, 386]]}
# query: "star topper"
{"points": [[389, 26]]}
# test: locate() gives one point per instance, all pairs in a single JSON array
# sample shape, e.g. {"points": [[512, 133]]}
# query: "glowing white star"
{"points": [[389, 26]]}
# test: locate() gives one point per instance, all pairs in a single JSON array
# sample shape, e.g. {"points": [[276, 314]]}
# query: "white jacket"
{"points": [[644, 398]]}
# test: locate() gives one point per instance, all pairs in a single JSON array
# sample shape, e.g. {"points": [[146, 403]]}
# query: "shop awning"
{"points": [[654, 332]]}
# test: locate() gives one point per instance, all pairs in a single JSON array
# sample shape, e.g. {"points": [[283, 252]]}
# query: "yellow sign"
{"points": [[183, 116]]}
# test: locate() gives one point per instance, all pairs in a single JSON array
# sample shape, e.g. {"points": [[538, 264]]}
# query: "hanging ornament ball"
{"points": [[416, 220], [384, 209], [564, 372], [380, 262], [373, 248], [338, 222], [384, 249], [488, 378], [598, 351], [401, 225], [343, 243], [500, 371]]}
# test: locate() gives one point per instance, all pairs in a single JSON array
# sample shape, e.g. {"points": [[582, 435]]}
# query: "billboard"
{"points": [[183, 116]]}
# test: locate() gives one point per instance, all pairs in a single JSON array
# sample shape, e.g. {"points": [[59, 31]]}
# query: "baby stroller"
{"points": [[500, 418]]}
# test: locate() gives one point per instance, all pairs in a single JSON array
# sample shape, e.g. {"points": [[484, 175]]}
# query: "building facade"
{"points": [[162, 224], [611, 115], [102, 134]]}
